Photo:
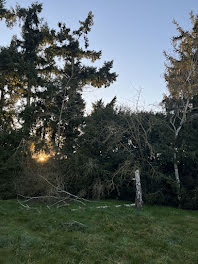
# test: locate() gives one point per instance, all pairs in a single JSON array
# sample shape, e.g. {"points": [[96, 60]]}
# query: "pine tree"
{"points": [[71, 80]]}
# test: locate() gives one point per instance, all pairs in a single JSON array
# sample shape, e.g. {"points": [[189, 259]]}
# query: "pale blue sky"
{"points": [[133, 33]]}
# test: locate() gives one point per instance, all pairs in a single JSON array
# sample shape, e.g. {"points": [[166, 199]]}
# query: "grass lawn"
{"points": [[117, 235]]}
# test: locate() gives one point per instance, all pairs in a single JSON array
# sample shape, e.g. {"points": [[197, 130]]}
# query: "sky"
{"points": [[132, 33]]}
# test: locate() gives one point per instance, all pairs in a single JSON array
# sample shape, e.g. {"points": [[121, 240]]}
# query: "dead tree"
{"points": [[137, 126], [138, 198]]}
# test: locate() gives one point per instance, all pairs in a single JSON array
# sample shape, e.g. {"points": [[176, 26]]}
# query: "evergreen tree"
{"points": [[68, 105], [40, 100], [101, 163]]}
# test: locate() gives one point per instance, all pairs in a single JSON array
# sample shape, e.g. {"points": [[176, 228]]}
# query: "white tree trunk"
{"points": [[138, 199], [177, 176]]}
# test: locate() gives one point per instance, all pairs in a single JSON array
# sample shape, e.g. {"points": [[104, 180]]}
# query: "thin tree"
{"points": [[181, 79]]}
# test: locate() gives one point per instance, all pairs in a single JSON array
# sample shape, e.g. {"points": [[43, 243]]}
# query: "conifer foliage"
{"points": [[47, 141], [41, 99]]}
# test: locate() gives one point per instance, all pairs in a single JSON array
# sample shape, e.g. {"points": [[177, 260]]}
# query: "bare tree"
{"points": [[135, 139]]}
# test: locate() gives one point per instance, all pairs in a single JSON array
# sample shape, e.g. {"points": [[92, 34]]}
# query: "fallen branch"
{"points": [[27, 207], [60, 197], [63, 191]]}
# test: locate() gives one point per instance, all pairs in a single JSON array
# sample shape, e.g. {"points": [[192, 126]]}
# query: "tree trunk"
{"points": [[28, 95], [177, 176], [2, 100], [138, 198]]}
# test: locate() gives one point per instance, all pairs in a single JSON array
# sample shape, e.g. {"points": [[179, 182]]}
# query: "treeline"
{"points": [[42, 76]]}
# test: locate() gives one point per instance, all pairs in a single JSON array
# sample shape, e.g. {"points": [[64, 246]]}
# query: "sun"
{"points": [[41, 156]]}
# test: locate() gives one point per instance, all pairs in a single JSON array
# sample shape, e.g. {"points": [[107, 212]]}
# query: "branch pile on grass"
{"points": [[59, 199]]}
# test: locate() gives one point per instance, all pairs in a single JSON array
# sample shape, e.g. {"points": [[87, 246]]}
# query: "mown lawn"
{"points": [[110, 235]]}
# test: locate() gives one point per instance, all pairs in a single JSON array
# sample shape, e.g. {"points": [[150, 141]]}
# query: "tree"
{"points": [[101, 165], [181, 78], [135, 138], [9, 84], [34, 67], [40, 98], [68, 106], [10, 16]]}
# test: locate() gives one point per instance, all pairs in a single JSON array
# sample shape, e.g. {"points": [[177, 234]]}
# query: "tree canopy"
{"points": [[47, 141]]}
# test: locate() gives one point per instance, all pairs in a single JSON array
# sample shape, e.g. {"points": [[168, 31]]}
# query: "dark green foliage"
{"points": [[11, 154], [94, 156], [93, 168], [47, 96]]}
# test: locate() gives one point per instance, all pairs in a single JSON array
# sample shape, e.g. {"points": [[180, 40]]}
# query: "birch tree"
{"points": [[182, 83]]}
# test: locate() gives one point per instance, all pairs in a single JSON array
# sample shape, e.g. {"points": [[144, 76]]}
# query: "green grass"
{"points": [[111, 235]]}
